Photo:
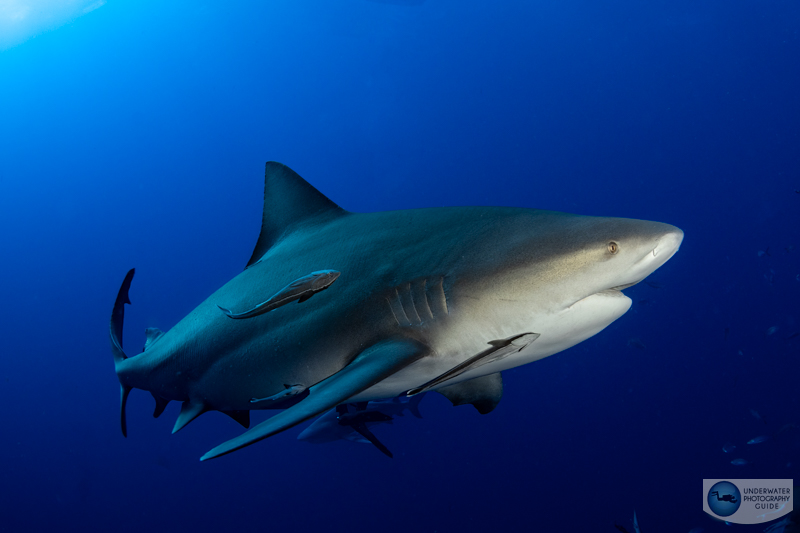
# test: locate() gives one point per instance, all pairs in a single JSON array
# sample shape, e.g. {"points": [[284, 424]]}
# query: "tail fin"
{"points": [[115, 333]]}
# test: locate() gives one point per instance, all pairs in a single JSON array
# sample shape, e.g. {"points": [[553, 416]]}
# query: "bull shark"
{"points": [[338, 307]]}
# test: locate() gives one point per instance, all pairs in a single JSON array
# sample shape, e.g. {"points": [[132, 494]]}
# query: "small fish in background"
{"points": [[727, 331], [696, 530], [654, 284], [635, 525], [759, 439], [762, 253], [793, 335], [728, 447], [772, 330], [770, 277], [740, 462], [635, 342], [757, 416], [788, 524], [784, 428], [789, 249], [643, 301]]}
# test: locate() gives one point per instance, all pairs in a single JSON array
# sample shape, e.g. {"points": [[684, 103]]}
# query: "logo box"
{"points": [[748, 501]]}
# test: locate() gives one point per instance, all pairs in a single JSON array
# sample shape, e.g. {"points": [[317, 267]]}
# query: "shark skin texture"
{"points": [[438, 299]]}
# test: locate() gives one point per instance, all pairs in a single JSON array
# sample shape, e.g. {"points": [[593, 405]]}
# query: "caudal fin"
{"points": [[115, 334]]}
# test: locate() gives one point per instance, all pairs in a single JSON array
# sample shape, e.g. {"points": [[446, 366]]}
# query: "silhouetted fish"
{"points": [[784, 429], [757, 416], [635, 342]]}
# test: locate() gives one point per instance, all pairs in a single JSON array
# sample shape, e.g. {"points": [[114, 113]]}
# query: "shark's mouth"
{"points": [[614, 292], [620, 288]]}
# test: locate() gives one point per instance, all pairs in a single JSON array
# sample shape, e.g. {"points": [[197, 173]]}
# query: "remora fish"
{"points": [[331, 427], [420, 293]]}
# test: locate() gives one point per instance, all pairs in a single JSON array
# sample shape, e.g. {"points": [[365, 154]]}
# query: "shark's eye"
{"points": [[613, 247]]}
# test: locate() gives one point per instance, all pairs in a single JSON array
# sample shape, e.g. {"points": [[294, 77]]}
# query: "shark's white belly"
{"points": [[558, 331]]}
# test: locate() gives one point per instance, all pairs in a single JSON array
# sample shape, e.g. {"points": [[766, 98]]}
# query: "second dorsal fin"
{"points": [[152, 334], [288, 200]]}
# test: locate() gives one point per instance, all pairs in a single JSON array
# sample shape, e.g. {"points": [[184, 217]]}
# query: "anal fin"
{"points": [[484, 393], [161, 404], [368, 368], [190, 410]]}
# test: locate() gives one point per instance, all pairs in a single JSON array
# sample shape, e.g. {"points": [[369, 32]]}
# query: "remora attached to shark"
{"points": [[427, 299]]}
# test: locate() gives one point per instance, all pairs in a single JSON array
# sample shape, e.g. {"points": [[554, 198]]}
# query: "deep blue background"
{"points": [[137, 135]]}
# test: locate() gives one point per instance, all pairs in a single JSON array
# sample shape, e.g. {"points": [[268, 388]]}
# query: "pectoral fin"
{"points": [[500, 349], [362, 430], [371, 366], [484, 393]]}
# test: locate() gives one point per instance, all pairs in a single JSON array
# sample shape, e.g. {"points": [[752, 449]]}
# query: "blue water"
{"points": [[136, 135]]}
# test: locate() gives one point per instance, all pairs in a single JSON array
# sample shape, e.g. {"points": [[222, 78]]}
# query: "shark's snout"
{"points": [[668, 244]]}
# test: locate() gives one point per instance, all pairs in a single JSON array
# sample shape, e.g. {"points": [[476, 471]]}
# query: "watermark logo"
{"points": [[724, 498], [747, 501]]}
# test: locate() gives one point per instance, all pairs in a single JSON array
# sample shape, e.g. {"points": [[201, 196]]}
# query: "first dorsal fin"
{"points": [[288, 200]]}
